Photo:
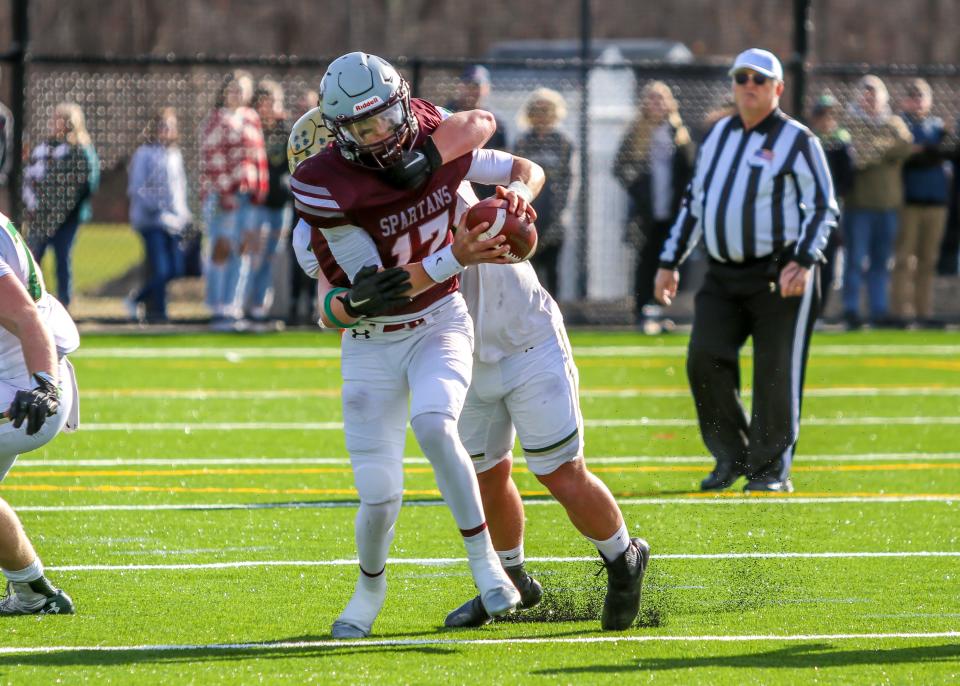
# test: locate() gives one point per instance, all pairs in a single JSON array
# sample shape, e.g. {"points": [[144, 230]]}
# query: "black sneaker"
{"points": [[56, 603], [624, 582], [852, 321], [721, 477], [472, 614]]}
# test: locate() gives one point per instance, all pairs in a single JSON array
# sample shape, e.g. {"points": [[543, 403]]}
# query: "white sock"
{"points": [[31, 572], [366, 603], [21, 582], [484, 562], [479, 546], [613, 547], [437, 435], [512, 557]]}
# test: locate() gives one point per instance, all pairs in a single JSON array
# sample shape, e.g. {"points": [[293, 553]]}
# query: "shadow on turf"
{"points": [[791, 657], [200, 654]]}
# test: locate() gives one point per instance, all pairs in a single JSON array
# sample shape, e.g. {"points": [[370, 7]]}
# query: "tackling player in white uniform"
{"points": [[523, 376], [38, 395], [525, 383]]}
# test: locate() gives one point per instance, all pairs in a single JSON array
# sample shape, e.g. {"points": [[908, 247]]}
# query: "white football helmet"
{"points": [[366, 104]]}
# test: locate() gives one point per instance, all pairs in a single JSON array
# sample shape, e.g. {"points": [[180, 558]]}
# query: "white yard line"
{"points": [[592, 459], [188, 427], [340, 504], [631, 392], [307, 645], [599, 351], [446, 561]]}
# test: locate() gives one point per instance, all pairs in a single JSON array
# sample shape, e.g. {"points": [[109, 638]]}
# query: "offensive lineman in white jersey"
{"points": [[525, 383], [38, 394], [523, 376]]}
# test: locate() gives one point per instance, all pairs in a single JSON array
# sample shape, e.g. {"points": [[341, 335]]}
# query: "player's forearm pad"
{"points": [[442, 265]]}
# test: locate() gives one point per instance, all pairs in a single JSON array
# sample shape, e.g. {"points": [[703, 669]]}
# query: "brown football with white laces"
{"points": [[520, 233]]}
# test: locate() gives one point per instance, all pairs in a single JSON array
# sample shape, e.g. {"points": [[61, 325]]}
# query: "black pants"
{"points": [[546, 261], [828, 269], [648, 261], [736, 303]]}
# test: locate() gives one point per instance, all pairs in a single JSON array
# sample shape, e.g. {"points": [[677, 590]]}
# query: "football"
{"points": [[521, 234]]}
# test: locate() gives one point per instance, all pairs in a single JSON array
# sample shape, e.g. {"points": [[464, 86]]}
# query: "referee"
{"points": [[762, 197]]}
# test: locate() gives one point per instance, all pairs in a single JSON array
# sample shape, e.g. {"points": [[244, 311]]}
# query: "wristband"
{"points": [[442, 265], [41, 378], [327, 310], [521, 189], [434, 158]]}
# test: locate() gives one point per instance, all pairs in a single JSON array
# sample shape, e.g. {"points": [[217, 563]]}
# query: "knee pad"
{"points": [[434, 432], [378, 517], [379, 483]]}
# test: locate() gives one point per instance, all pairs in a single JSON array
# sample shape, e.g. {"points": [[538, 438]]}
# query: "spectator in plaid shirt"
{"points": [[233, 179]]}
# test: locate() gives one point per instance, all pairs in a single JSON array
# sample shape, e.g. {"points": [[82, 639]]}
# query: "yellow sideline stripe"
{"points": [[55, 488], [652, 469]]}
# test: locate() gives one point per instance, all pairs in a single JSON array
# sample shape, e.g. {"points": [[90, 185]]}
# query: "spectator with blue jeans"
{"points": [[924, 218], [275, 212], [880, 142], [62, 174], [157, 188]]}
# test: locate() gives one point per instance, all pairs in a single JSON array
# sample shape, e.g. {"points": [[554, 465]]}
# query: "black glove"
{"points": [[415, 168], [375, 292], [35, 405]]}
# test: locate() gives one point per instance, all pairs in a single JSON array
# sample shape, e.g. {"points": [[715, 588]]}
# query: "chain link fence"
{"points": [[596, 249]]}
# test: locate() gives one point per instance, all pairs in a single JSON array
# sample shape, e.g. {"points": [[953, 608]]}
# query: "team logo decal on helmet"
{"points": [[307, 137], [366, 105]]}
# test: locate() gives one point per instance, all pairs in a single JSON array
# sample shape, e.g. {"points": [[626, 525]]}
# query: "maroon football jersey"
{"points": [[406, 226], [328, 265]]}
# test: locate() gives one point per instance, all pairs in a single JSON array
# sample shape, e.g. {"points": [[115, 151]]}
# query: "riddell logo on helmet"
{"points": [[367, 104]]}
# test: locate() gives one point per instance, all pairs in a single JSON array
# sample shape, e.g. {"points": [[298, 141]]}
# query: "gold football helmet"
{"points": [[307, 137]]}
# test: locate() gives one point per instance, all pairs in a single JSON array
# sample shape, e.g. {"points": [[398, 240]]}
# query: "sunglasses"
{"points": [[743, 77]]}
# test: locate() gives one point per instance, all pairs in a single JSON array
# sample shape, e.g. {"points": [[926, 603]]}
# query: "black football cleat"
{"points": [[624, 582], [721, 477], [768, 485], [56, 602], [472, 614]]}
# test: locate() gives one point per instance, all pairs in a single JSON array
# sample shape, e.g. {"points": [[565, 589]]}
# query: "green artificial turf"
{"points": [[102, 252], [206, 551]]}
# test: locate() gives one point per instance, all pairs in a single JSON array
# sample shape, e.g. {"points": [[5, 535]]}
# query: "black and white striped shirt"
{"points": [[756, 194]]}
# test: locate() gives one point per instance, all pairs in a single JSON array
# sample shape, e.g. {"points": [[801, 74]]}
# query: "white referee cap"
{"points": [[761, 61]]}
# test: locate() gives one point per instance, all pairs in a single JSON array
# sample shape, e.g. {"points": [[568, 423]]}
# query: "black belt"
{"points": [[747, 263]]}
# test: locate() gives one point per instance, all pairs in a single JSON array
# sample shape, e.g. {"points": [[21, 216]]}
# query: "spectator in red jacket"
{"points": [[233, 179]]}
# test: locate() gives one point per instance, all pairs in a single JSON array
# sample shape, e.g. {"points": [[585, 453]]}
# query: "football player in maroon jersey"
{"points": [[522, 359], [383, 195]]}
